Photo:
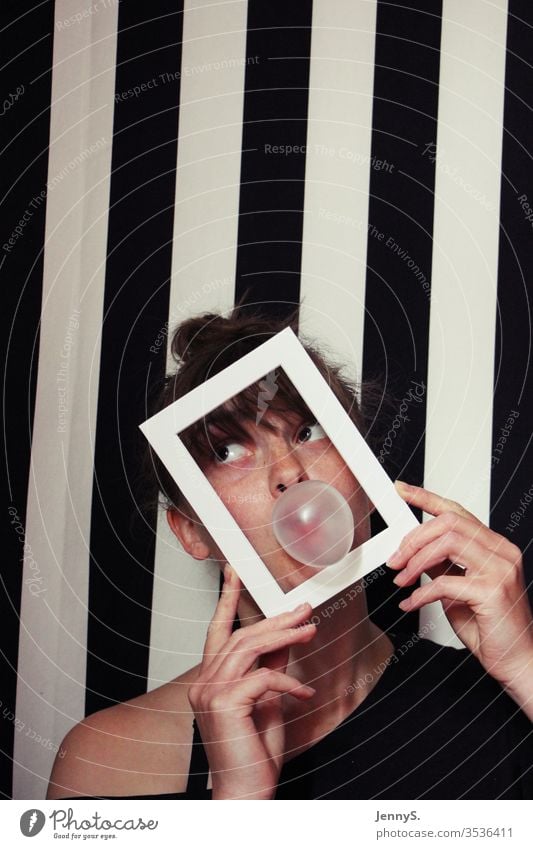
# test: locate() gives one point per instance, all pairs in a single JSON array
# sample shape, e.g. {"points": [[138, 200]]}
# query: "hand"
{"points": [[485, 601], [237, 703]]}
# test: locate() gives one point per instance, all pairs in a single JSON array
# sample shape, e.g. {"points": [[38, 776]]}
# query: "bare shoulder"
{"points": [[140, 747]]}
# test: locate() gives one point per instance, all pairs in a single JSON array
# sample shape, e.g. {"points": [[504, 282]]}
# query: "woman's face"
{"points": [[250, 475]]}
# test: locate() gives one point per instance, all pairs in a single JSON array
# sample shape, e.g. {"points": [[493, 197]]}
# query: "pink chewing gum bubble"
{"points": [[313, 522]]}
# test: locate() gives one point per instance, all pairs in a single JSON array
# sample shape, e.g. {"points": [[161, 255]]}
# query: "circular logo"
{"points": [[31, 822]]}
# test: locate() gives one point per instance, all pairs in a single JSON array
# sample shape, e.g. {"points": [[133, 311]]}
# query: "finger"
{"points": [[273, 680], [448, 522], [478, 594], [443, 567], [221, 625], [290, 619], [446, 587], [246, 692], [238, 658], [430, 502], [274, 623], [455, 547]]}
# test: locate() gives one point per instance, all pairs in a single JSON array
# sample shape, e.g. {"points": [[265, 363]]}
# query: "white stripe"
{"points": [[337, 175], [52, 653], [465, 256], [203, 275]]}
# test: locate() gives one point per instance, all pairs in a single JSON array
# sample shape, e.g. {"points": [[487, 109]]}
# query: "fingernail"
{"points": [[227, 572], [301, 607], [310, 690], [395, 558], [405, 604], [402, 484], [398, 580]]}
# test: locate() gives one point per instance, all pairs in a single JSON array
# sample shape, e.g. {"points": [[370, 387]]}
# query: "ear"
{"points": [[188, 532]]}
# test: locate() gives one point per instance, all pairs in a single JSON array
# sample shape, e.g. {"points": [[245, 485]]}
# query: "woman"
{"points": [[305, 704]]}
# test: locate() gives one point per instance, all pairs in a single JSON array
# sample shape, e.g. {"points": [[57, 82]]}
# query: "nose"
{"points": [[285, 468]]}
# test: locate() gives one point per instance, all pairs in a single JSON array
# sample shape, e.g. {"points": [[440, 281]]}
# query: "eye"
{"points": [[230, 452], [311, 432]]}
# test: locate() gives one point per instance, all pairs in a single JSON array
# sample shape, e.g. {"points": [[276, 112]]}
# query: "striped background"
{"points": [[149, 177]]}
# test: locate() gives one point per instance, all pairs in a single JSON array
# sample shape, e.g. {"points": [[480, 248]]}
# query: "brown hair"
{"points": [[206, 344]]}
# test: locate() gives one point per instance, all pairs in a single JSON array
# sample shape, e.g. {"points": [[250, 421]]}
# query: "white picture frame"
{"points": [[283, 351]]}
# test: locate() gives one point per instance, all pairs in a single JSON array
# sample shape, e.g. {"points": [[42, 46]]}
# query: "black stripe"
{"points": [[401, 203], [512, 449], [272, 180], [25, 126], [136, 308], [199, 766]]}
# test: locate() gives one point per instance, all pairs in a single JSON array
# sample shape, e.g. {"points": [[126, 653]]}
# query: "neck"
{"points": [[346, 658]]}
